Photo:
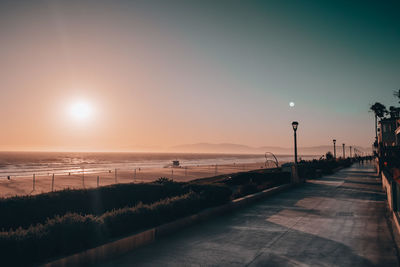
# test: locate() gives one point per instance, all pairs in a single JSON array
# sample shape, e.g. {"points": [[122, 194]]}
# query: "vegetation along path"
{"points": [[337, 220]]}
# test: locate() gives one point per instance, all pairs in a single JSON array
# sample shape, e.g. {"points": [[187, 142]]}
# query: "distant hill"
{"points": [[243, 149]]}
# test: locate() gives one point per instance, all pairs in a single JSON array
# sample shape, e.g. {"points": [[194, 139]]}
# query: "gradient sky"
{"points": [[163, 73]]}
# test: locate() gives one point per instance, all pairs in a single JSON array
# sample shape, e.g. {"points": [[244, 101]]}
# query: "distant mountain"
{"points": [[219, 148], [243, 149]]}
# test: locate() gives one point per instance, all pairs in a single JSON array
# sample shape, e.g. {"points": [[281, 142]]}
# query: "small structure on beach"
{"points": [[175, 164]]}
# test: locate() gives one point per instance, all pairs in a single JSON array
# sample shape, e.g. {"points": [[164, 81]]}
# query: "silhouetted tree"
{"points": [[394, 112], [397, 94], [329, 156], [380, 112]]}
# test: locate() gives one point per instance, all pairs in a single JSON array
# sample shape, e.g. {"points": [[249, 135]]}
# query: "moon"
{"points": [[291, 104]]}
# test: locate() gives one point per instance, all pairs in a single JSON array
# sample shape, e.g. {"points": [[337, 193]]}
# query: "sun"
{"points": [[81, 110], [291, 104]]}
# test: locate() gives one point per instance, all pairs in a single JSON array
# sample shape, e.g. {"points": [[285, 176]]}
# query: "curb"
{"points": [[121, 246]]}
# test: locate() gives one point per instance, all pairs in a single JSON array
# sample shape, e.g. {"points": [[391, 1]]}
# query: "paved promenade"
{"points": [[337, 220]]}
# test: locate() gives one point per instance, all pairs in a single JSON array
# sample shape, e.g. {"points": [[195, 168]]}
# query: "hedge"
{"points": [[27, 210], [308, 169], [72, 232]]}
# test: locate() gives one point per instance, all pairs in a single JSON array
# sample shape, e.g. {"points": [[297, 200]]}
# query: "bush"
{"points": [[74, 232], [163, 180], [60, 235], [246, 189], [27, 210], [212, 194], [259, 177], [308, 169]]}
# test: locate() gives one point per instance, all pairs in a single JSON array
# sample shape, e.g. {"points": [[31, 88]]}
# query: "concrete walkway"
{"points": [[338, 220]]}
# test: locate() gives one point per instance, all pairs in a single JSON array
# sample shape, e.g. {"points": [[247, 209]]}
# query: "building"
{"points": [[397, 132], [389, 142], [387, 136]]}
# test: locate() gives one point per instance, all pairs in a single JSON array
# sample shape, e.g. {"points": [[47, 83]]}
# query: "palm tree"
{"points": [[380, 112]]}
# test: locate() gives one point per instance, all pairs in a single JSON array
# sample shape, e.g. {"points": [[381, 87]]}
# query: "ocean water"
{"points": [[42, 163]]}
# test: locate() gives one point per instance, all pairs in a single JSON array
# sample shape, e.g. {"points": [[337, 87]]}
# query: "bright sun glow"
{"points": [[81, 110], [291, 104]]}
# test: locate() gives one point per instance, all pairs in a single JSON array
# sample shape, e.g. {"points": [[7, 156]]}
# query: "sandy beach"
{"points": [[18, 186]]}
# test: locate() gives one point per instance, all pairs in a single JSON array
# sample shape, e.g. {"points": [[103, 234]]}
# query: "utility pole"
{"points": [[52, 183], [334, 148], [344, 152], [295, 125]]}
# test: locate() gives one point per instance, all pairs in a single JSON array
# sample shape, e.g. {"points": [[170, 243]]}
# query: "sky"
{"points": [[147, 75]]}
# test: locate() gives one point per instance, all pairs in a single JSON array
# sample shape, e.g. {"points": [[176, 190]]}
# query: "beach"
{"points": [[28, 185]]}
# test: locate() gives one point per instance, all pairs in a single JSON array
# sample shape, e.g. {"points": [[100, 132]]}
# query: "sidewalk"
{"points": [[338, 220]]}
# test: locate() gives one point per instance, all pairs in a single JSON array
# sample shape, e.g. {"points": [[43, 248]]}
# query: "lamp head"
{"points": [[294, 125], [334, 141]]}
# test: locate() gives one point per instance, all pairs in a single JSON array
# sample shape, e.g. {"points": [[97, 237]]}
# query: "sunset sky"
{"points": [[146, 75]]}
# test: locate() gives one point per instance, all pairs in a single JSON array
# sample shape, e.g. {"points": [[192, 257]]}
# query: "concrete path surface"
{"points": [[337, 220]]}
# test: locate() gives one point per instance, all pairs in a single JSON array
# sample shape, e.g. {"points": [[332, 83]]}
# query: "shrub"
{"points": [[307, 169], [212, 194], [246, 189], [72, 232], [163, 180], [27, 210], [259, 178]]}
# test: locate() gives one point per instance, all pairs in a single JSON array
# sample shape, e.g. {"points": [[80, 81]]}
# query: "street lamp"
{"points": [[334, 148], [344, 152], [295, 124]]}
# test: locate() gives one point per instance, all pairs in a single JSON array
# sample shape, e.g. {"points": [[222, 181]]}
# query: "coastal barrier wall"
{"points": [[388, 188], [392, 190]]}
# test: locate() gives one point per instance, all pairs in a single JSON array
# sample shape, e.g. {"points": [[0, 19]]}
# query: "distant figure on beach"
{"points": [[9, 177]]}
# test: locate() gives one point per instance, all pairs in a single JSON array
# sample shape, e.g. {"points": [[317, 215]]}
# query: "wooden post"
{"points": [[115, 175], [98, 180], [83, 177], [172, 173], [52, 183], [34, 182]]}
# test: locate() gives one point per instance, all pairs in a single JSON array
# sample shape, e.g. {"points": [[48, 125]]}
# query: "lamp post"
{"points": [[350, 151], [295, 124], [344, 152], [334, 148]]}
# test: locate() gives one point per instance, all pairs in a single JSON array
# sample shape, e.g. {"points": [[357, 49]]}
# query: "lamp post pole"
{"points": [[334, 148], [344, 152], [350, 151], [295, 125]]}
